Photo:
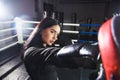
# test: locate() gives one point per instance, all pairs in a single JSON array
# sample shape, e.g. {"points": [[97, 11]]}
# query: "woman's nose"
{"points": [[55, 37]]}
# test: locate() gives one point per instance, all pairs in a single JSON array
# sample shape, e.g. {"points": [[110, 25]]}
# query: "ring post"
{"points": [[18, 26]]}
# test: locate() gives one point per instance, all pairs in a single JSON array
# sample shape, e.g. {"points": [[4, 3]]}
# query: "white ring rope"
{"points": [[26, 35], [68, 31], [29, 28], [8, 46], [4, 22], [9, 29], [70, 24], [65, 24], [8, 38], [32, 22]]}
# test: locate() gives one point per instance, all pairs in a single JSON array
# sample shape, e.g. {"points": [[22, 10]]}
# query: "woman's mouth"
{"points": [[52, 42]]}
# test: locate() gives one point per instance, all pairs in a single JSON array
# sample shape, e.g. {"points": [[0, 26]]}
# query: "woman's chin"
{"points": [[50, 44]]}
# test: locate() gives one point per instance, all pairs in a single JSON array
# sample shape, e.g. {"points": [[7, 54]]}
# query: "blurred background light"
{"points": [[5, 13]]}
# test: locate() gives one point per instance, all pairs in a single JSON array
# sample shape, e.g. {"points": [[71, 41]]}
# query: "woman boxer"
{"points": [[40, 57]]}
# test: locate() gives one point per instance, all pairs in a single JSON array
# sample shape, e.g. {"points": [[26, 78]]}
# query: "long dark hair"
{"points": [[35, 37]]}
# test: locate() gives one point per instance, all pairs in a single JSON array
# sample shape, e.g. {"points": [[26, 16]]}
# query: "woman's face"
{"points": [[49, 35]]}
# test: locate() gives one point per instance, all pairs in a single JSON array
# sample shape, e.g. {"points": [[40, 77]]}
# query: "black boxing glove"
{"points": [[79, 55]]}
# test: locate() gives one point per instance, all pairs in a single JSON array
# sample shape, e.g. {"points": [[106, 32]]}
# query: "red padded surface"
{"points": [[108, 51]]}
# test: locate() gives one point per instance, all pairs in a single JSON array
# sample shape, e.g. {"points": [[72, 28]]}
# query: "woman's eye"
{"points": [[52, 31]]}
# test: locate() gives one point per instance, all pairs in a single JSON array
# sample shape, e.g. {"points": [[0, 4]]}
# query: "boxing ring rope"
{"points": [[85, 25], [89, 33], [4, 22], [10, 37], [19, 33], [81, 32], [4, 30], [70, 24]]}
